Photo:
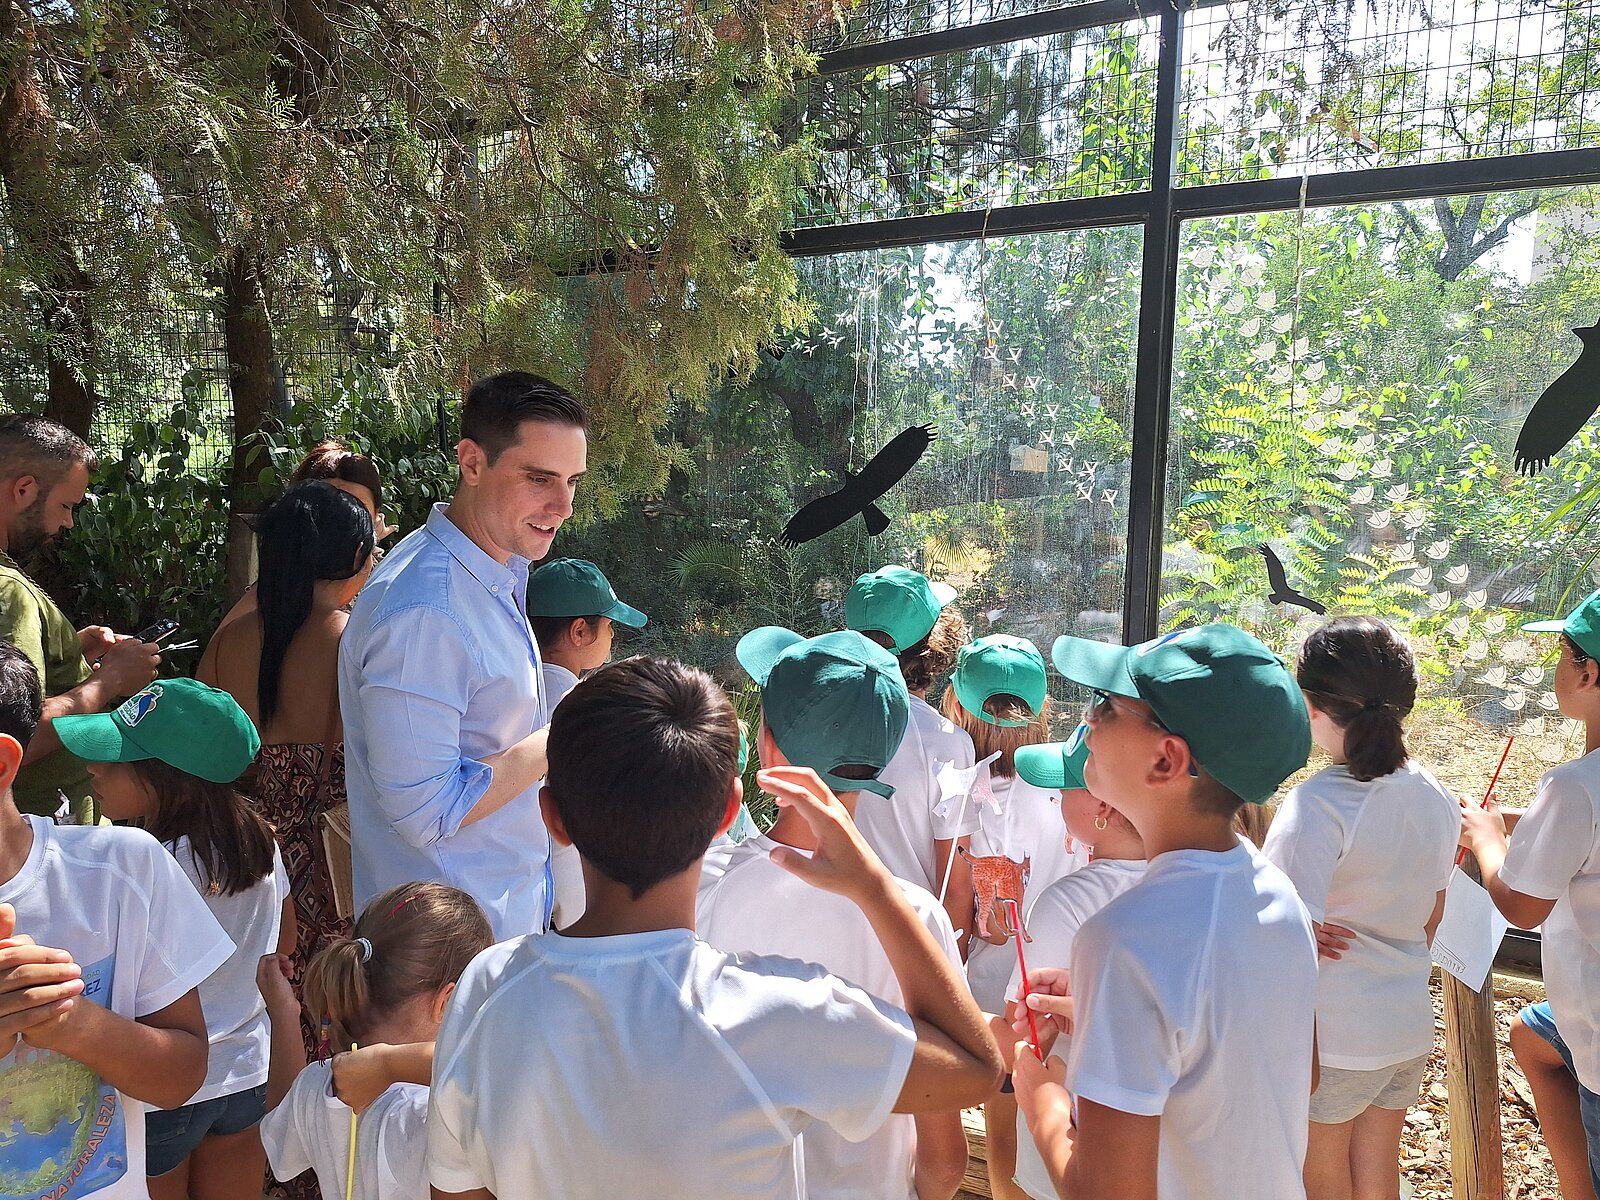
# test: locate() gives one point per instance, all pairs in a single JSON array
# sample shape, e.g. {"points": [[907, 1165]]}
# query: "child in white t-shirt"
{"points": [[385, 990], [1369, 843], [1549, 874], [622, 1055], [573, 611], [103, 946], [1193, 992], [930, 814], [750, 904], [166, 760], [1052, 923]]}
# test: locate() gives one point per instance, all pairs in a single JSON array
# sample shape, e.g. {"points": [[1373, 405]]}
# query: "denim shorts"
{"points": [[172, 1134], [1538, 1018]]}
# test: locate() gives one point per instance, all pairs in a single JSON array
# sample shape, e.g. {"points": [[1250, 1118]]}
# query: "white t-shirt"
{"points": [[650, 1063], [750, 905], [566, 871], [116, 900], [1371, 857], [1026, 828], [903, 828], [1196, 993], [1555, 855], [310, 1128], [236, 1015], [1053, 923]]}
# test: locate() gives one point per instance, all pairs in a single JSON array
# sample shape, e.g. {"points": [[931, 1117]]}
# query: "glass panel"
{"points": [[1349, 387]]}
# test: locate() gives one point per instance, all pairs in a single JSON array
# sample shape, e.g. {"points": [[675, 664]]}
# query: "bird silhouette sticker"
{"points": [[862, 490], [1565, 407], [1281, 592]]}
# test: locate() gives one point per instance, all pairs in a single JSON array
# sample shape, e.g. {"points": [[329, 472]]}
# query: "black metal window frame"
{"points": [[1161, 211]]}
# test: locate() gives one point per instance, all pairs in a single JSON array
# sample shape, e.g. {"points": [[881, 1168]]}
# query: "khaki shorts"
{"points": [[1344, 1095]]}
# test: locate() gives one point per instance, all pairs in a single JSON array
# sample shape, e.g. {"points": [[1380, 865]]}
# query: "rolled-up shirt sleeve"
{"points": [[418, 673]]}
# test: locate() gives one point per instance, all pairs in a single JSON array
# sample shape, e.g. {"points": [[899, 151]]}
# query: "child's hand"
{"points": [[1482, 826], [361, 1076], [1050, 999], [272, 978], [1041, 1087], [842, 861], [1333, 940], [38, 984]]}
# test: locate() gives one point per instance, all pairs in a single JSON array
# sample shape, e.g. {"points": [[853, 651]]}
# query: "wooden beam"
{"points": [[1472, 1066]]}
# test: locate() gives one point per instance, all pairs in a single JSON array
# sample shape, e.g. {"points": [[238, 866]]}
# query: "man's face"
{"points": [[50, 512], [525, 496]]}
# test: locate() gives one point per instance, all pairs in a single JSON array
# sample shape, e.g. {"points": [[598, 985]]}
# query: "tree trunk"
{"points": [[1477, 1163], [252, 377]]}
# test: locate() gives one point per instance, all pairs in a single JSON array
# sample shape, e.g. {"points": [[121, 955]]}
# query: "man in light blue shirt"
{"points": [[439, 674]]}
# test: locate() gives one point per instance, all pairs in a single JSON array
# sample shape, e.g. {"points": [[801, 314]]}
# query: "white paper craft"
{"points": [[1469, 933], [960, 781]]}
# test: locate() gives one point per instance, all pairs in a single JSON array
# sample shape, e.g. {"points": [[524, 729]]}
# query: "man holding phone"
{"points": [[44, 476]]}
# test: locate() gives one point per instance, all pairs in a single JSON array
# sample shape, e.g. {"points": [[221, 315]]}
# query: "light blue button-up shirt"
{"points": [[438, 670]]}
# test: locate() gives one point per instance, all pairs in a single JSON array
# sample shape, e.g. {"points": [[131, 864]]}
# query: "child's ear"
{"points": [[1174, 763], [581, 633], [10, 760], [731, 814], [441, 1001], [552, 818], [767, 752]]}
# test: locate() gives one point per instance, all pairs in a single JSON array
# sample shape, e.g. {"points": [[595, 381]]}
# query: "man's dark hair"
{"points": [[642, 757], [549, 631], [20, 695], [498, 404], [38, 446]]}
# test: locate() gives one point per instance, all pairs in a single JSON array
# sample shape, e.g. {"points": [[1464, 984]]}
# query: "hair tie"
{"points": [[1374, 705], [365, 947]]}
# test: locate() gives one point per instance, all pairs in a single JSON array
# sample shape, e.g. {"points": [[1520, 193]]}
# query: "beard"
{"points": [[27, 536]]}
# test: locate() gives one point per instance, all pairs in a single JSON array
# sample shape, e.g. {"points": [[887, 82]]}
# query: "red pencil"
{"points": [[1493, 779], [1016, 924]]}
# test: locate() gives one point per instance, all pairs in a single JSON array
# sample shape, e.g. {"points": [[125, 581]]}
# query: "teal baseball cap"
{"points": [[1582, 625], [575, 587], [1219, 689], [897, 602], [1055, 764], [830, 701], [182, 722], [1000, 665]]}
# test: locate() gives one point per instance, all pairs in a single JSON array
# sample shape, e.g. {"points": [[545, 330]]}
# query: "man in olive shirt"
{"points": [[44, 474]]}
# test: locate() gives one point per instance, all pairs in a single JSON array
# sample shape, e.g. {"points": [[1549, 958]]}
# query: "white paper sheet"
{"points": [[1469, 933]]}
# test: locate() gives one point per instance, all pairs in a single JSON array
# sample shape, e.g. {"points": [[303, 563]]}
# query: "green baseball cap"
{"points": [[901, 604], [575, 587], [830, 701], [182, 722], [1217, 688], [1582, 625], [1055, 764], [1000, 665]]}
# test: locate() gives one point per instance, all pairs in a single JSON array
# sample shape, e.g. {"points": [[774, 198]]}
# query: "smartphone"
{"points": [[154, 633]]}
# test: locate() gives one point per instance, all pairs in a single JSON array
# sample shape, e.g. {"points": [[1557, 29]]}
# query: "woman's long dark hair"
{"points": [[1360, 672], [231, 844], [315, 532]]}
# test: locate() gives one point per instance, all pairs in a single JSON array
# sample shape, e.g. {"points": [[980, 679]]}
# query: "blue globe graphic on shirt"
{"points": [[47, 1109]]}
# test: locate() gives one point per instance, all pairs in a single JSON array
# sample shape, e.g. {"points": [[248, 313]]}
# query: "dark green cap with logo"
{"points": [[182, 722], [575, 587], [830, 701], [1582, 625], [897, 602], [1055, 764], [1219, 689]]}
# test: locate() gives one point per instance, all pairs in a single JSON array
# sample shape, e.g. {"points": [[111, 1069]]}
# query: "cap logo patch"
{"points": [[1161, 641], [137, 708]]}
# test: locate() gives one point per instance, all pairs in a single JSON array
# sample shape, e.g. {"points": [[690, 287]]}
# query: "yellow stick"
{"points": [[350, 1168]]}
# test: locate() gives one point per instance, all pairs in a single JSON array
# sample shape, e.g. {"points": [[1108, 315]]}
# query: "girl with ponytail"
{"points": [[384, 990], [280, 663], [1369, 842]]}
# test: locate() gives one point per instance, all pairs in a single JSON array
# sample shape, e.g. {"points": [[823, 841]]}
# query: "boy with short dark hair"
{"points": [[837, 705], [103, 945], [623, 1053], [1195, 989]]}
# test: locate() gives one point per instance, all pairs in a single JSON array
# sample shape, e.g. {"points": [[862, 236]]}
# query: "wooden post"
{"points": [[1477, 1164]]}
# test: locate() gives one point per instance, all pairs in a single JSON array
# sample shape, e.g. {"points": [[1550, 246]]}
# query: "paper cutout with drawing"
{"points": [[1469, 933], [862, 490], [996, 879], [1281, 592], [1563, 409]]}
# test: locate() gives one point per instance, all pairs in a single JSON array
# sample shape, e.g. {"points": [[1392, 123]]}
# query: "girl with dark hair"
{"points": [[166, 760], [385, 988], [1369, 842], [280, 663]]}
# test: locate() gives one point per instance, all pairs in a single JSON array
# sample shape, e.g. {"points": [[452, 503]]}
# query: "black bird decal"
{"points": [[1565, 407], [862, 490], [1281, 592]]}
